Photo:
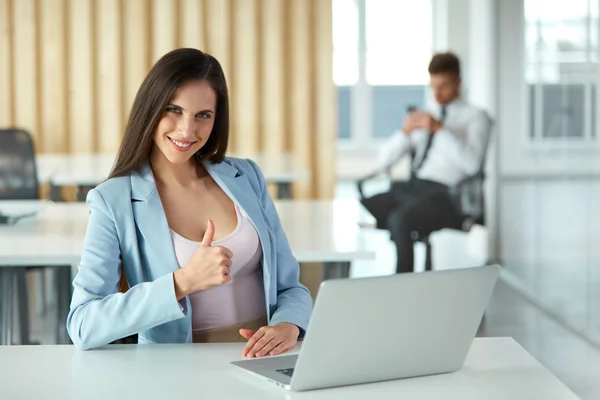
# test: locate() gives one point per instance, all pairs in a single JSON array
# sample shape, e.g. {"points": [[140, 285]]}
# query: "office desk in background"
{"points": [[88, 170], [496, 368], [318, 231]]}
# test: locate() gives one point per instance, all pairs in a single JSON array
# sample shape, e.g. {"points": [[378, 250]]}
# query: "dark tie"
{"points": [[429, 140]]}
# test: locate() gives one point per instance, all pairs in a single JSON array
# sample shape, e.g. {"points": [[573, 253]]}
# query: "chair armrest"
{"points": [[374, 174]]}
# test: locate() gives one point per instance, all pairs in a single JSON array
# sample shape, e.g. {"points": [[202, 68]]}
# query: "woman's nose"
{"points": [[187, 126]]}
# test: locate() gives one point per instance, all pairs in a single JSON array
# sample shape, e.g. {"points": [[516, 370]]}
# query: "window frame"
{"points": [[362, 139], [536, 140]]}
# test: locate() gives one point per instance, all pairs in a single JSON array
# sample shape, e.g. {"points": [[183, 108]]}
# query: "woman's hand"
{"points": [[270, 340], [209, 267]]}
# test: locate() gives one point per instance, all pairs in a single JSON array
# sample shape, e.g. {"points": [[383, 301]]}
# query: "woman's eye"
{"points": [[205, 115], [172, 109]]}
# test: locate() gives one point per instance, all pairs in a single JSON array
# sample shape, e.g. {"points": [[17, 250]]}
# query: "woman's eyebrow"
{"points": [[208, 110]]}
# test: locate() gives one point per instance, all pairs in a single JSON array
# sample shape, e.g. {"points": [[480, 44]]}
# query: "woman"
{"points": [[195, 233]]}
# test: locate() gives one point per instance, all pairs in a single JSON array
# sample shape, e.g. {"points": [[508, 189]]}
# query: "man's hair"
{"points": [[445, 63]]}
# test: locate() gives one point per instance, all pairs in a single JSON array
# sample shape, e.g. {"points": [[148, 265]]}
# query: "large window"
{"points": [[381, 49], [561, 71]]}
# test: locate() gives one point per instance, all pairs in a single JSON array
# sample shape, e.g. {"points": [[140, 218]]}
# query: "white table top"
{"points": [[91, 169], [326, 230], [54, 237], [318, 231], [496, 368]]}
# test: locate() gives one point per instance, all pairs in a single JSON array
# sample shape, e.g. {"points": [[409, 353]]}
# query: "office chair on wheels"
{"points": [[467, 195], [18, 181]]}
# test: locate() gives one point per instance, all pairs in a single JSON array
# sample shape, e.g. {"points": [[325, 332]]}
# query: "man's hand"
{"points": [[270, 340], [421, 120], [408, 125]]}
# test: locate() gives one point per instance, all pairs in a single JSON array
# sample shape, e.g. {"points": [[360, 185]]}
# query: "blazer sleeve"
{"points": [[99, 314], [294, 303]]}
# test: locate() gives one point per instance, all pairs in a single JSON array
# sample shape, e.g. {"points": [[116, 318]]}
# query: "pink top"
{"points": [[241, 299]]}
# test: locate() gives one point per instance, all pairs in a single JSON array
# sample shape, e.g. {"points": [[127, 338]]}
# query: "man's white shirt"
{"points": [[457, 151]]}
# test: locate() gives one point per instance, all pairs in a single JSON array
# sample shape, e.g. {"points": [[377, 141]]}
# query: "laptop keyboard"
{"points": [[286, 371]]}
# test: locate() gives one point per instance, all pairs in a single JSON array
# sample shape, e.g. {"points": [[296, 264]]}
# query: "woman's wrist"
{"points": [[181, 284], [293, 327]]}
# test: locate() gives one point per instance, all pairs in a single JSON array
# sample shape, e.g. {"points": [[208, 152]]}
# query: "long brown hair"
{"points": [[166, 76]]}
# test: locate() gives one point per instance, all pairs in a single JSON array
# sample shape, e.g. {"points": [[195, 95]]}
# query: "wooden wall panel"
{"points": [[325, 135], [244, 78], [25, 68], [164, 27], [108, 78], [79, 65], [81, 82], [54, 125], [273, 63], [136, 50], [218, 25], [6, 71], [301, 104], [191, 24]]}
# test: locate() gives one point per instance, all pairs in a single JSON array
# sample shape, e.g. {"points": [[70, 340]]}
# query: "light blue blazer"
{"points": [[127, 225]]}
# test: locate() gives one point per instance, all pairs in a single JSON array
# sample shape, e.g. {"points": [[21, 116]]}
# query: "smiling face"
{"points": [[187, 122]]}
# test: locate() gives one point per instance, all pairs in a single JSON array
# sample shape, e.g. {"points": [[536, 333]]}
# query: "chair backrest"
{"points": [[18, 170], [469, 193], [470, 199]]}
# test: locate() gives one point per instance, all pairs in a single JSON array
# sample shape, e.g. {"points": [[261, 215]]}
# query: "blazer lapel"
{"points": [[238, 188], [151, 220]]}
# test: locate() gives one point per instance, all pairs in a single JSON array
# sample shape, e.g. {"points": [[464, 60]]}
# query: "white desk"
{"points": [[496, 368], [85, 170], [318, 231]]}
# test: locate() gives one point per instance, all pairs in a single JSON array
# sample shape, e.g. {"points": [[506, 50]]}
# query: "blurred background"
{"points": [[325, 82]]}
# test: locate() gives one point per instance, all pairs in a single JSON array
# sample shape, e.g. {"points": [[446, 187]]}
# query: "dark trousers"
{"points": [[415, 207]]}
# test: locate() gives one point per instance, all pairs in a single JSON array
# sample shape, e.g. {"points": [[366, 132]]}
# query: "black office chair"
{"points": [[468, 196], [18, 181], [18, 169]]}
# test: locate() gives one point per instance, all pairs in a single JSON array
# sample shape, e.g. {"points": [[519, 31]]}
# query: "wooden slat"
{"points": [[244, 78], [6, 70], [217, 21], [272, 69], [25, 68], [108, 78], [164, 27], [191, 17], [81, 84], [325, 134], [136, 50], [300, 107], [54, 125]]}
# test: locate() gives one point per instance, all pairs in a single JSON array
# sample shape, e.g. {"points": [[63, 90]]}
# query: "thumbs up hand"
{"points": [[209, 267]]}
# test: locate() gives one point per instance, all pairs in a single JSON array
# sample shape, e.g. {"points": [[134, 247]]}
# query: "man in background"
{"points": [[447, 144]]}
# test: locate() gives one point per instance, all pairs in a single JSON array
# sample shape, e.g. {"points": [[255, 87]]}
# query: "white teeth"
{"points": [[180, 144]]}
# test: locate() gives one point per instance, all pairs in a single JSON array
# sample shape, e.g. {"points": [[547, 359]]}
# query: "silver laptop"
{"points": [[377, 329]]}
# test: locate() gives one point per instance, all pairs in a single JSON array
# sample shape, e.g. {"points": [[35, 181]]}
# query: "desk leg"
{"points": [[63, 299], [284, 190], [336, 270], [55, 193], [6, 305], [82, 191], [23, 301]]}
